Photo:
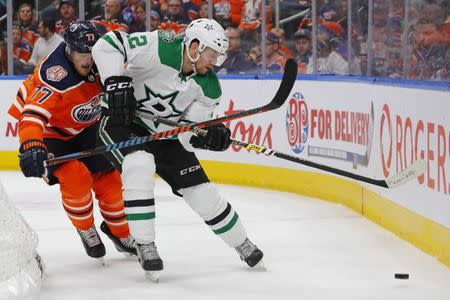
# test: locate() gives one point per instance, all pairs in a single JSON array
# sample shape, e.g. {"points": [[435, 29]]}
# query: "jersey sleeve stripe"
{"points": [[60, 131], [18, 105], [36, 114], [24, 92], [73, 131], [110, 41], [119, 37], [33, 120], [20, 97], [38, 109]]}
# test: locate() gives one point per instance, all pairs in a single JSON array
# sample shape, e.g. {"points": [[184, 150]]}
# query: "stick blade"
{"points": [[416, 169], [287, 83]]}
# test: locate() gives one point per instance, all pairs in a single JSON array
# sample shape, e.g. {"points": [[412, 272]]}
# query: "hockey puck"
{"points": [[401, 275]]}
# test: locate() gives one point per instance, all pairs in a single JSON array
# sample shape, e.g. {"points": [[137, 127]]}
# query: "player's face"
{"points": [[208, 59], [83, 62]]}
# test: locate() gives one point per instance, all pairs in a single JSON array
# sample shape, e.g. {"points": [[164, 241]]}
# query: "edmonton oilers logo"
{"points": [[297, 126], [87, 112]]}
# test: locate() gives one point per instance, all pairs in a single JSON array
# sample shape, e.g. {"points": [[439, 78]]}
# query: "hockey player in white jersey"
{"points": [[170, 77]]}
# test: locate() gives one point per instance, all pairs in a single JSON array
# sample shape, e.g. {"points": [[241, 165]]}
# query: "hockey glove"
{"points": [[216, 139], [121, 100], [32, 155]]}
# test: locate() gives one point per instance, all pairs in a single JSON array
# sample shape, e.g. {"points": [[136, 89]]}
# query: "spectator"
{"points": [[67, 10], [3, 58], [203, 10], [236, 61], [236, 8], [175, 19], [191, 9], [113, 19], [430, 38], [21, 52], [274, 60], [332, 51], [155, 22], [27, 23], [285, 51], [222, 10], [251, 15], [138, 24], [303, 47], [129, 12], [21, 49], [47, 42], [327, 14]]}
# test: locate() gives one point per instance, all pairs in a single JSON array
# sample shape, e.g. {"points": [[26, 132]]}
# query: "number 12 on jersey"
{"points": [[137, 41]]}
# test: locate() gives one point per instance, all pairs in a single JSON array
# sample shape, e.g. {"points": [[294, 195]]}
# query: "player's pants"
{"points": [[180, 169], [77, 178]]}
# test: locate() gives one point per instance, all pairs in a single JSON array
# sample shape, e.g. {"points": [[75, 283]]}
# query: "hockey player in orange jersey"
{"points": [[58, 108]]}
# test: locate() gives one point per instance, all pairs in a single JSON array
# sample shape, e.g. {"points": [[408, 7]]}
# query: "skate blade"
{"points": [[128, 255], [101, 260], [152, 276], [260, 267]]}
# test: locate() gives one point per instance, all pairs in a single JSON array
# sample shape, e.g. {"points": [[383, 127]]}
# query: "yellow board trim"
{"points": [[423, 233], [9, 160]]}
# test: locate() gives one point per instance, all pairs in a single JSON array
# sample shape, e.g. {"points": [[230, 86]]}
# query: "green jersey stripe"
{"points": [[111, 42], [228, 226], [140, 217], [107, 140]]}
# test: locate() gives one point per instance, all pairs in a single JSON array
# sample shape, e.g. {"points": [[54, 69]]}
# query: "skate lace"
{"points": [[90, 236], [246, 249], [149, 251], [128, 242]]}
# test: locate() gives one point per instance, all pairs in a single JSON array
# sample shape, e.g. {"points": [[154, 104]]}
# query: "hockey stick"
{"points": [[286, 85], [416, 169]]}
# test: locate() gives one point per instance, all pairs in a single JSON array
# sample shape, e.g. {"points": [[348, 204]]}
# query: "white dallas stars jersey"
{"points": [[154, 61]]}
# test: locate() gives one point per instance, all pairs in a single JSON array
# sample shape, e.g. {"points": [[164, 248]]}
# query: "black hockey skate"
{"points": [[249, 253], [125, 245], [92, 243], [150, 260]]}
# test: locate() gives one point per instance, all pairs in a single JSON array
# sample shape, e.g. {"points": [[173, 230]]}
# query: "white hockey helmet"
{"points": [[210, 34]]}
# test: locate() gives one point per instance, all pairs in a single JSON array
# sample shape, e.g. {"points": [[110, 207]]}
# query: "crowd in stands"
{"points": [[413, 46]]}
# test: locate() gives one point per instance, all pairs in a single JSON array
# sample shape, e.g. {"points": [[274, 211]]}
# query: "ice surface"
{"points": [[313, 250]]}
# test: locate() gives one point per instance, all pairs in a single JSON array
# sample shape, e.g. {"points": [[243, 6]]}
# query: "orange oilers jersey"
{"points": [[56, 102]]}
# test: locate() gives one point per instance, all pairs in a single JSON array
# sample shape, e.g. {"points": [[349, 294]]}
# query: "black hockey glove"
{"points": [[216, 139], [121, 100], [32, 155]]}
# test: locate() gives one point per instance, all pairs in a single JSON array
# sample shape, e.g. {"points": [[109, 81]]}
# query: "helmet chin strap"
{"points": [[192, 60]]}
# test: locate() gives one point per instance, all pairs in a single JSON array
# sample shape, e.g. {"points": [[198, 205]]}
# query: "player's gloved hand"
{"points": [[32, 155], [121, 100], [216, 139]]}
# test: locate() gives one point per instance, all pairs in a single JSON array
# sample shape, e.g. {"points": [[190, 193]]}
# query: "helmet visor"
{"points": [[213, 56]]}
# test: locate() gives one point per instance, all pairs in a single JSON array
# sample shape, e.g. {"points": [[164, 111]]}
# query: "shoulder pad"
{"points": [[57, 71]]}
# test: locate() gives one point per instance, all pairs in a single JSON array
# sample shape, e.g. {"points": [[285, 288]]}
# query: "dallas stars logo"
{"points": [[208, 27], [159, 105]]}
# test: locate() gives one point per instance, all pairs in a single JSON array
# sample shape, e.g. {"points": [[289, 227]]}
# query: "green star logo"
{"points": [[159, 105]]}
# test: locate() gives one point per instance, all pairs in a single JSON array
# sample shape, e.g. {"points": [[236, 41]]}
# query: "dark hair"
{"points": [[49, 23]]}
